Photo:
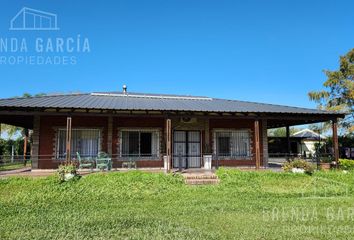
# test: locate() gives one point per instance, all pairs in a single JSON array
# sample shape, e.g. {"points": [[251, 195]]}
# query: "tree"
{"points": [[338, 95], [11, 131], [281, 132]]}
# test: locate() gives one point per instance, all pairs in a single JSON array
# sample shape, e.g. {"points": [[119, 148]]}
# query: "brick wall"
{"points": [[236, 124], [110, 140], [48, 132]]}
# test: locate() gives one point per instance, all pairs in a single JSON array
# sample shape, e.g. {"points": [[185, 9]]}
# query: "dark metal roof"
{"points": [[160, 102], [307, 133]]}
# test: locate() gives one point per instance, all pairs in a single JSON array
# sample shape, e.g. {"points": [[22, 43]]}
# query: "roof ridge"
{"points": [[49, 95], [147, 95]]}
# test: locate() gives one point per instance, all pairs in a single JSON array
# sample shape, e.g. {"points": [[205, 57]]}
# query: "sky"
{"points": [[263, 51]]}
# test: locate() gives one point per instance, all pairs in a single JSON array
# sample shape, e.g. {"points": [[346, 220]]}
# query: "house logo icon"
{"points": [[32, 19]]}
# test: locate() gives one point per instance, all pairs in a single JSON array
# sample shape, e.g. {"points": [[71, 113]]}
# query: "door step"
{"points": [[201, 179]]}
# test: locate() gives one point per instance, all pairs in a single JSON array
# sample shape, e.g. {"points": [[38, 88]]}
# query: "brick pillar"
{"points": [[265, 143], [109, 135], [35, 142]]}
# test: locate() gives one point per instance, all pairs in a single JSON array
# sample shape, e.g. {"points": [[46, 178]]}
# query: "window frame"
{"points": [[153, 131], [58, 129], [233, 157]]}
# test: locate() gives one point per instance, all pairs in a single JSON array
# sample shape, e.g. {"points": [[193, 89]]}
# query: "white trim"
{"points": [[139, 129]]}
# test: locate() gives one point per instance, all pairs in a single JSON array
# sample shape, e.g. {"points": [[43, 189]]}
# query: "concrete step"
{"points": [[210, 181], [195, 176]]}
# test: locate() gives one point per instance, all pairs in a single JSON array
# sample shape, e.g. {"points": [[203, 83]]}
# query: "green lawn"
{"points": [[136, 205], [11, 166]]}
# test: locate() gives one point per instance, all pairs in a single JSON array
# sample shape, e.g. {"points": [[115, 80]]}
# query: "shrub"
{"points": [[309, 168], [346, 164], [326, 159], [66, 171]]}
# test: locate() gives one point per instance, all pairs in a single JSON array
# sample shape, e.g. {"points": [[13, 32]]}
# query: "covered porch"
{"points": [[161, 140]]}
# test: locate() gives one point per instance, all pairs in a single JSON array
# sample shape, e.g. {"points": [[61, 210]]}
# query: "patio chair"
{"points": [[103, 161], [87, 163]]}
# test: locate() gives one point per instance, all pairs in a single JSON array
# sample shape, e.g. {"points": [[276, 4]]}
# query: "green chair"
{"points": [[103, 161], [84, 163]]}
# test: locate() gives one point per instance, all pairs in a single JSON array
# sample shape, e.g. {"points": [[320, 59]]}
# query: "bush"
{"points": [[67, 171], [326, 159], [309, 168], [346, 164]]}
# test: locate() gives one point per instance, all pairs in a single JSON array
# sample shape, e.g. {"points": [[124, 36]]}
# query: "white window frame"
{"points": [[57, 154], [140, 130], [231, 157]]}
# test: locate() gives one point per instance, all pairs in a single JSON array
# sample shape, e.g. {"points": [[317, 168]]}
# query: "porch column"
{"points": [[335, 140], [25, 141], [288, 140], [68, 139], [168, 144], [207, 136], [257, 145], [109, 136], [35, 141]]}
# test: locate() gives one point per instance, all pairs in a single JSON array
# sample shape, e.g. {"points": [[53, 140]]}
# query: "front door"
{"points": [[186, 149]]}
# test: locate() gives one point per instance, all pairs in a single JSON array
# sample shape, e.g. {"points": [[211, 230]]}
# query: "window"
{"points": [[232, 144], [84, 141], [139, 144]]}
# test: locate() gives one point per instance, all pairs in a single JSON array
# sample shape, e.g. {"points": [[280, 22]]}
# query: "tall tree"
{"points": [[338, 94], [281, 132]]}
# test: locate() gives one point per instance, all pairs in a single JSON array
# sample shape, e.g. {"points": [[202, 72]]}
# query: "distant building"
{"points": [[302, 143], [308, 139]]}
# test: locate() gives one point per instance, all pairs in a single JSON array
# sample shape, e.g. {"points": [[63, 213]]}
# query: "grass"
{"points": [[11, 166], [136, 205]]}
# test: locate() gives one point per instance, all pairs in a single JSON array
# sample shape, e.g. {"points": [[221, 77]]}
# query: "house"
{"points": [[302, 143], [154, 130], [307, 141]]}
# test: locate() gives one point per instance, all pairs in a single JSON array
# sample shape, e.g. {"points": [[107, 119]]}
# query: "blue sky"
{"points": [[266, 51]]}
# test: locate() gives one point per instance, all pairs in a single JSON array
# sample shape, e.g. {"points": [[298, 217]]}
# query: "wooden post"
{"points": [[0, 138], [288, 140], [335, 141], [109, 135], [257, 145], [35, 142], [25, 140], [168, 143], [68, 139]]}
